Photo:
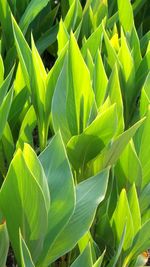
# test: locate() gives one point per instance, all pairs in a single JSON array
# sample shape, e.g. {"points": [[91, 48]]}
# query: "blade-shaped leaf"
{"points": [[8, 143], [84, 259], [57, 169], [110, 154], [126, 14], [128, 168], [144, 149], [5, 18], [1, 70], [80, 93], [62, 37], [115, 96], [24, 52], [4, 244], [134, 208], [4, 111], [141, 243], [73, 16], [59, 115], [121, 217], [5, 85], [33, 9], [37, 171], [26, 260], [100, 80], [98, 134], [99, 262], [93, 43], [89, 194], [27, 213]]}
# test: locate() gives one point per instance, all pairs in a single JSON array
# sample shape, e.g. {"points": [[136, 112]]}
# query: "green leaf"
{"points": [[143, 70], [144, 103], [33, 9], [19, 82], [84, 259], [135, 44], [146, 85], [73, 16], [89, 63], [104, 232], [5, 18], [26, 260], [100, 80], [94, 138], [93, 43], [144, 199], [88, 195], [27, 127], [99, 262], [144, 42], [38, 86], [52, 80], [126, 57], [24, 53], [59, 115], [40, 74], [125, 14], [80, 93], [28, 208], [114, 92], [141, 243], [134, 208], [100, 11], [62, 37], [60, 180], [37, 171], [18, 108], [4, 86], [8, 143], [121, 217], [88, 22], [111, 154], [128, 73], [4, 111], [128, 168], [4, 244], [115, 258], [144, 150], [111, 53], [47, 39], [1, 71]]}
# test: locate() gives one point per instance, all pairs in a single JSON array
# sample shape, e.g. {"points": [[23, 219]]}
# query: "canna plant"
{"points": [[74, 133]]}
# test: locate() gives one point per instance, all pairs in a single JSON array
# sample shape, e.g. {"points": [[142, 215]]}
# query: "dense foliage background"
{"points": [[74, 133]]}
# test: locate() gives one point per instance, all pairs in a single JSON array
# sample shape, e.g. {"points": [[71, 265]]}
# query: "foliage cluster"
{"points": [[74, 132]]}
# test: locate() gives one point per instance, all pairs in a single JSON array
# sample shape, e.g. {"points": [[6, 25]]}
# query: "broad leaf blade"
{"points": [[27, 213], [121, 217], [95, 137], [4, 111], [26, 260], [4, 244], [126, 14], [84, 258], [89, 194], [80, 94], [57, 169], [33, 9]]}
